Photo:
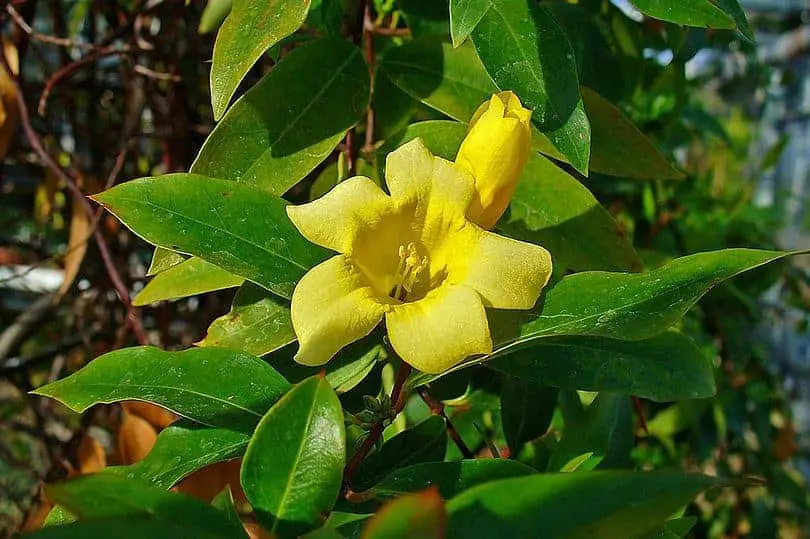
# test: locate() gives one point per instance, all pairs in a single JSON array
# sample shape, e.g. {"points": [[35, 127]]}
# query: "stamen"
{"points": [[408, 270]]}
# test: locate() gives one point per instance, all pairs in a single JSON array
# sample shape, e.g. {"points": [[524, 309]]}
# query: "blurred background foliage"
{"points": [[119, 89]]}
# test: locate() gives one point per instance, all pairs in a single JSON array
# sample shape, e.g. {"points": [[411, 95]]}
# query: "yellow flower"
{"points": [[412, 258], [494, 153]]}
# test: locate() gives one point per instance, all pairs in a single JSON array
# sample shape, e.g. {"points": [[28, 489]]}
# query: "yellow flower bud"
{"points": [[494, 153]]}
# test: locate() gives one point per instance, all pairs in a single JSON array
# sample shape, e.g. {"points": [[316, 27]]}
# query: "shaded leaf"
{"points": [[217, 220], [667, 367], [211, 386], [163, 259], [213, 15], [526, 410], [107, 496], [188, 278], [295, 116], [180, 528], [450, 478], [293, 467], [619, 147], [620, 504], [249, 30], [413, 516], [603, 431], [257, 324], [425, 442]]}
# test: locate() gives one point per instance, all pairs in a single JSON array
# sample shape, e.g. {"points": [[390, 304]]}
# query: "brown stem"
{"points": [[36, 144], [368, 26], [642, 421], [398, 398], [437, 408]]}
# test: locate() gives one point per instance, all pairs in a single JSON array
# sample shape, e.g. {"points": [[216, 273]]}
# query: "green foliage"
{"points": [[503, 445]]}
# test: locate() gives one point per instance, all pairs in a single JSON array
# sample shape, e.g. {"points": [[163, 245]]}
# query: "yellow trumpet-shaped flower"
{"points": [[412, 258], [494, 153]]}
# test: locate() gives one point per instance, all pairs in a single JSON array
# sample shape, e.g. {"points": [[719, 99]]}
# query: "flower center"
{"points": [[406, 276]]}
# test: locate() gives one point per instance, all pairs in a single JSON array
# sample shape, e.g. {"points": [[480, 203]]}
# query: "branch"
{"points": [[36, 144], [437, 408]]}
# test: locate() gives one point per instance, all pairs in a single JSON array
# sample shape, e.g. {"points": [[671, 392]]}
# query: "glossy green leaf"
{"points": [[213, 15], [212, 386], [107, 496], [163, 259], [419, 515], [524, 49], [293, 468], [526, 410], [257, 324], [188, 278], [549, 208], [619, 148], [426, 18], [700, 13], [249, 30], [237, 227], [631, 306], [603, 431], [667, 367], [425, 442], [181, 449], [451, 478], [619, 504], [295, 116], [464, 17]]}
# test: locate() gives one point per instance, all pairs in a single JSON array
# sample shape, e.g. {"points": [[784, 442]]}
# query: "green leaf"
{"points": [[451, 478], [257, 324], [293, 467], [452, 81], [237, 227], [216, 387], [700, 13], [413, 516], [214, 13], [250, 29], [464, 17], [526, 410], [735, 10], [552, 209], [524, 49], [667, 367], [107, 496], [181, 449], [188, 278], [224, 502], [426, 442], [677, 528], [632, 306], [549, 207], [619, 504], [295, 116], [181, 528], [619, 148], [426, 18], [163, 259], [603, 430]]}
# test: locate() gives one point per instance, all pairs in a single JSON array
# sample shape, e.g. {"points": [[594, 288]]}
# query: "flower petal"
{"points": [[440, 330], [332, 306], [509, 274], [333, 221], [409, 170]]}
